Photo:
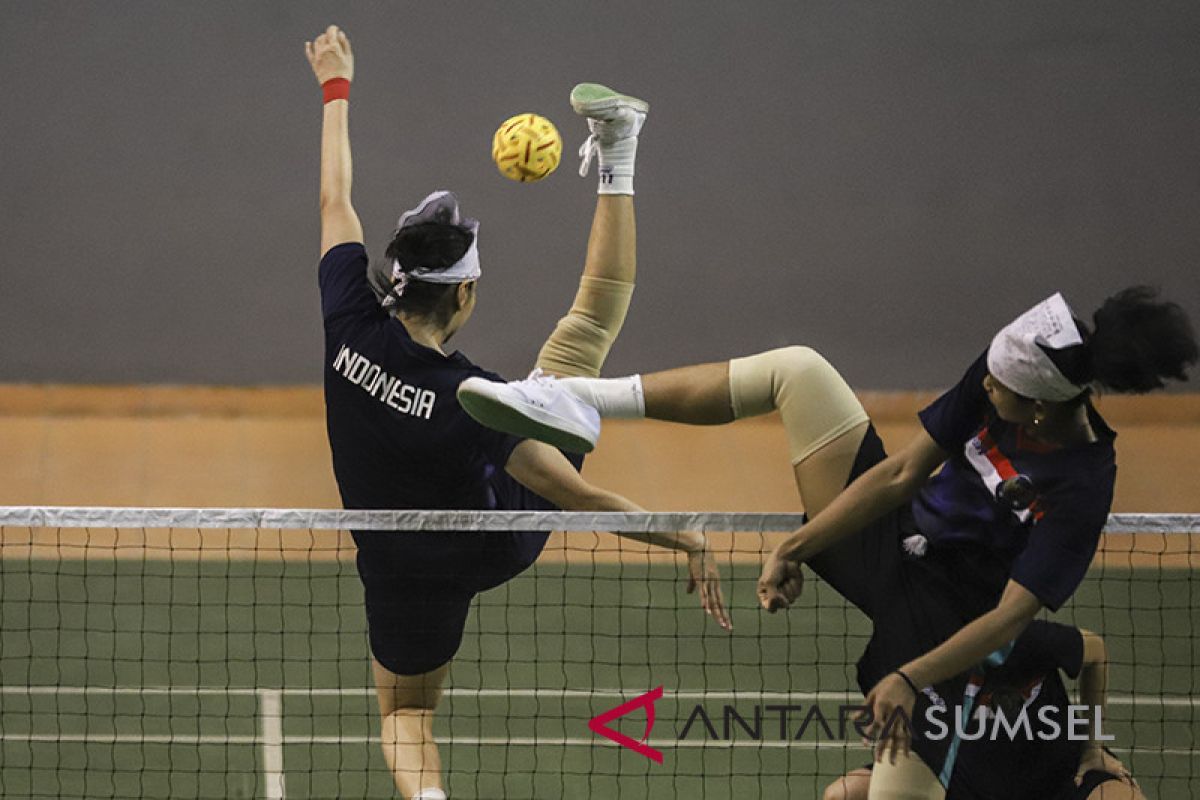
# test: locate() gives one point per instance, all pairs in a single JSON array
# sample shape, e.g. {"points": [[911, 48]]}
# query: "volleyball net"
{"points": [[223, 653]]}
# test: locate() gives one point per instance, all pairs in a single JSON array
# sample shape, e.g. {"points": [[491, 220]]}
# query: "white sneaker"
{"points": [[611, 117], [535, 408]]}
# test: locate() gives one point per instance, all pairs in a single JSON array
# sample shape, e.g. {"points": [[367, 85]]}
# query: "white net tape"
{"points": [[331, 519]]}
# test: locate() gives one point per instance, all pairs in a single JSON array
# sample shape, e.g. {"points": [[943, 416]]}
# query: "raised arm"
{"points": [[333, 64], [882, 488], [544, 470]]}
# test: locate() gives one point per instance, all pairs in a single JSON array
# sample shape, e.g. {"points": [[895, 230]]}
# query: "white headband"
{"points": [[1016, 360], [439, 207]]}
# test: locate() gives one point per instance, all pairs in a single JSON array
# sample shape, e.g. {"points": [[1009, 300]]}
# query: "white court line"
{"points": [[270, 712], [1150, 700], [126, 738]]}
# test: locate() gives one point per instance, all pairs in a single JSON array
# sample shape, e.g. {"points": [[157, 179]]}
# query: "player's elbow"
{"points": [[913, 465], [900, 478], [334, 199]]}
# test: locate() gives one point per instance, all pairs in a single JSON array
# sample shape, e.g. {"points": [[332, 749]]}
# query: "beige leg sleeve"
{"points": [[909, 778], [581, 340], [816, 403]]}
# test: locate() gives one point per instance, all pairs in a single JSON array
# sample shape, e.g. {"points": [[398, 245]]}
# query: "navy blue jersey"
{"points": [[1030, 680], [398, 435], [401, 440], [1036, 508]]}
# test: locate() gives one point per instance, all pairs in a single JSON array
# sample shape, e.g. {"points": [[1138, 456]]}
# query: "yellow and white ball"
{"points": [[526, 148]]}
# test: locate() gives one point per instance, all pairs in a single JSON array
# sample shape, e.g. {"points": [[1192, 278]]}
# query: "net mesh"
{"points": [[223, 653]]}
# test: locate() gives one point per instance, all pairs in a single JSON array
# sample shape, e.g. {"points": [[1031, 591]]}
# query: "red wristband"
{"points": [[336, 89]]}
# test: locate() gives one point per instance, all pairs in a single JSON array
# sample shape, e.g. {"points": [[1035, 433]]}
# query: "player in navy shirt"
{"points": [[1021, 767], [950, 568], [400, 439]]}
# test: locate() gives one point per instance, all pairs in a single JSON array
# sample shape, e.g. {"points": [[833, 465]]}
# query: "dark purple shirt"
{"points": [[1040, 509]]}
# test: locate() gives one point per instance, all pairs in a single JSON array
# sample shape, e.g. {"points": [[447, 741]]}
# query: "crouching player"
{"points": [[1024, 767]]}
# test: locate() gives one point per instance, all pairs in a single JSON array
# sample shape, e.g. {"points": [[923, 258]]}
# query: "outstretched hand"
{"points": [[780, 583], [704, 576], [330, 55]]}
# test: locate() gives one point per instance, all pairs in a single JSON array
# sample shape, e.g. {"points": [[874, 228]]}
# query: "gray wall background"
{"points": [[889, 182]]}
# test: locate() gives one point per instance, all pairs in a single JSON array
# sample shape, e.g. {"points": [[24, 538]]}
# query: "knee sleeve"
{"points": [[815, 402], [581, 340], [909, 778]]}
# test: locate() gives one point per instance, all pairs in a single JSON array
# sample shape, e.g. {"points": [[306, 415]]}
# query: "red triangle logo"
{"points": [[599, 724]]}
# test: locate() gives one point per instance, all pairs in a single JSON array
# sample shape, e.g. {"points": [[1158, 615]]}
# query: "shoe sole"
{"points": [[613, 100], [533, 424]]}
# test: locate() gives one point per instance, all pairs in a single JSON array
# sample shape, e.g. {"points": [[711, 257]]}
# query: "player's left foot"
{"points": [[611, 115], [614, 120], [538, 407]]}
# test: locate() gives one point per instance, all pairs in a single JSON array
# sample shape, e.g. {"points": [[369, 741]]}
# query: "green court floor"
{"points": [[129, 678]]}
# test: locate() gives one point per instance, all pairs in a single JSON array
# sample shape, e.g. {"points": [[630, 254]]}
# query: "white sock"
{"points": [[429, 794], [612, 397], [616, 166]]}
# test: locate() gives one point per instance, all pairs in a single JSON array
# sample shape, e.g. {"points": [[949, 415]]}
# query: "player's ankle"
{"points": [[617, 161], [611, 397], [431, 793]]}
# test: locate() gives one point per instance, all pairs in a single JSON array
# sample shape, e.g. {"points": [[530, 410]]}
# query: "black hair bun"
{"points": [[433, 246], [1140, 341]]}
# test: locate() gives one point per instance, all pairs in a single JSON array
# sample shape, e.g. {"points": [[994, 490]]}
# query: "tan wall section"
{"points": [[206, 446]]}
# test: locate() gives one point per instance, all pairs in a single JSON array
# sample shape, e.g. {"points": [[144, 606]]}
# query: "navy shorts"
{"points": [[914, 603], [418, 587]]}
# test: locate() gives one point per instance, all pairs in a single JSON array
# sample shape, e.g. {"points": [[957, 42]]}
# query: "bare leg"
{"points": [[612, 243], [822, 476], [907, 779], [697, 395], [824, 421], [407, 703], [854, 785], [1116, 790]]}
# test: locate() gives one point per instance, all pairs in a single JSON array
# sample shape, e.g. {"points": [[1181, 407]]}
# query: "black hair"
{"points": [[432, 246], [1138, 342]]}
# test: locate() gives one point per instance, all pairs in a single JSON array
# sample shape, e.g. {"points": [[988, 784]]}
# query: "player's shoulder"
{"points": [[479, 372], [1047, 635], [1045, 646]]}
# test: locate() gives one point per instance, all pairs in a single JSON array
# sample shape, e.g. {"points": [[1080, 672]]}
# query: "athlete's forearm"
{"points": [[604, 500], [977, 639], [336, 164], [965, 649], [683, 541], [879, 490]]}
